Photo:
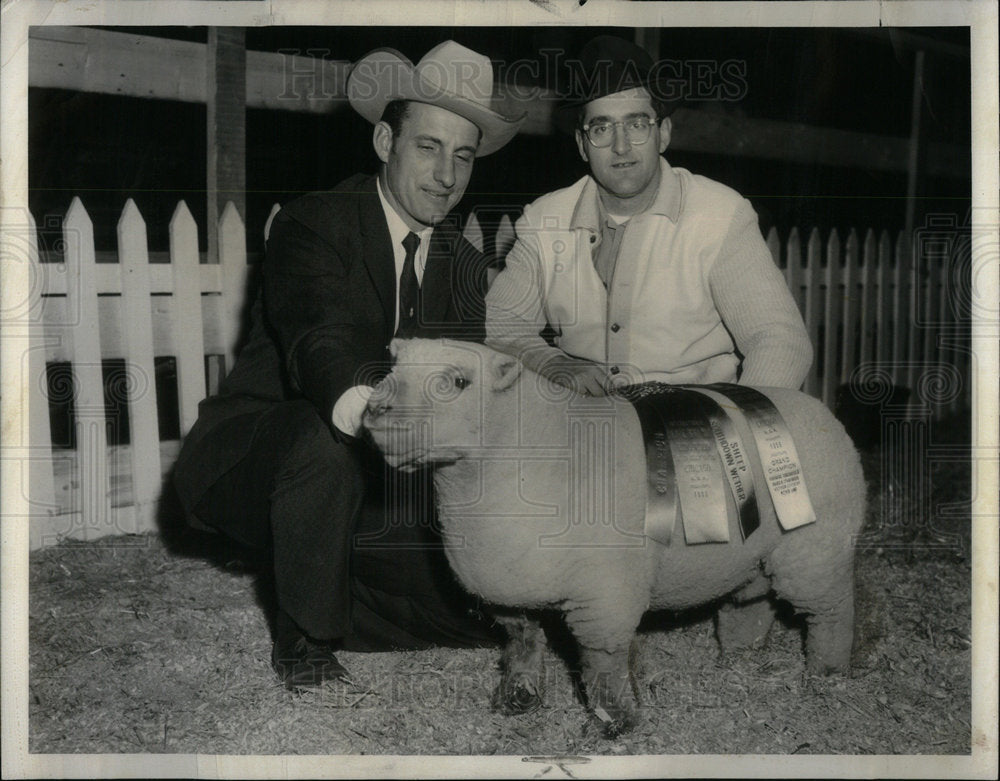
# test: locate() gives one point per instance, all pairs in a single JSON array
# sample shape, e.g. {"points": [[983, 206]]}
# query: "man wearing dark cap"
{"points": [[643, 271], [274, 460]]}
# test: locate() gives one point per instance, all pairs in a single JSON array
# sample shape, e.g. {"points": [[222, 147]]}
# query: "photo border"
{"points": [[979, 15]]}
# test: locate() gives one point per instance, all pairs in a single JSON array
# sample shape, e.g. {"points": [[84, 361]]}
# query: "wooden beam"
{"points": [[141, 66], [905, 38], [226, 127], [80, 58], [717, 133], [700, 130], [125, 64]]}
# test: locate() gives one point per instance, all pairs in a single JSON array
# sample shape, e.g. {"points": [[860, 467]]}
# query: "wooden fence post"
{"points": [[813, 296], [885, 326], [38, 437], [225, 120], [833, 310], [473, 233], [505, 238], [774, 246], [868, 312], [850, 349], [793, 268], [188, 326], [952, 344], [233, 267], [92, 479], [140, 368], [902, 362], [928, 271]]}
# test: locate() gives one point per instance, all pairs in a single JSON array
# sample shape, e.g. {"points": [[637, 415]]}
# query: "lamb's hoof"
{"points": [[824, 662], [612, 727], [517, 696], [826, 669]]}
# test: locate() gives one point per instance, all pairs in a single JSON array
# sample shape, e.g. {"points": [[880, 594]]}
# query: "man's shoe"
{"points": [[303, 663]]}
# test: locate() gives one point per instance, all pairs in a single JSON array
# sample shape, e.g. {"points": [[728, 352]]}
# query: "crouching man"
{"points": [[644, 272], [274, 460]]}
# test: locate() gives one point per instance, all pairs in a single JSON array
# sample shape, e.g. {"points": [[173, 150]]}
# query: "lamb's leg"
{"points": [[830, 633], [744, 626], [745, 622], [824, 592], [609, 688], [605, 629], [520, 689]]}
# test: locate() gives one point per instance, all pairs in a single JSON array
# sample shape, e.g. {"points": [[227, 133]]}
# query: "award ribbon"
{"points": [[691, 443], [777, 452], [699, 475], [661, 493], [683, 468], [735, 466]]}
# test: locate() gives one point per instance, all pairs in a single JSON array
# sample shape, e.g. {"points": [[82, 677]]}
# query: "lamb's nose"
{"points": [[377, 403], [376, 407]]}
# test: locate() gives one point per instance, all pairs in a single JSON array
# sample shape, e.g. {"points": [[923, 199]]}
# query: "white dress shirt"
{"points": [[398, 230]]}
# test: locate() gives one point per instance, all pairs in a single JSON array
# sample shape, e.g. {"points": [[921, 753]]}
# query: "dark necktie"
{"points": [[409, 289]]}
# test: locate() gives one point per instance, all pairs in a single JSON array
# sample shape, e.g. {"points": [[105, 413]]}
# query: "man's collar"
{"points": [[591, 214], [397, 228]]}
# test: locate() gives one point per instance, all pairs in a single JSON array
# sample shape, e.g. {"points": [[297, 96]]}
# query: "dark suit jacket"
{"points": [[324, 319]]}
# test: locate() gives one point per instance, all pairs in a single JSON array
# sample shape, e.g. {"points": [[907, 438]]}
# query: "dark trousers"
{"points": [[354, 545]]}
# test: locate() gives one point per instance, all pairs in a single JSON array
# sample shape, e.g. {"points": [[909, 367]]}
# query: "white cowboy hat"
{"points": [[449, 75]]}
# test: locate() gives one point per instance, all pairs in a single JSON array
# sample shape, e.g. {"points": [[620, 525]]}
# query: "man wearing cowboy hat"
{"points": [[642, 270], [274, 460]]}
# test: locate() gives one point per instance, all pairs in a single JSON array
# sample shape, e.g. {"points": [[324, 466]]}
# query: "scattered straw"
{"points": [[138, 648]]}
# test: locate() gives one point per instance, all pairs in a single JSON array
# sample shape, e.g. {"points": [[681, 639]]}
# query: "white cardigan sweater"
{"points": [[693, 284]]}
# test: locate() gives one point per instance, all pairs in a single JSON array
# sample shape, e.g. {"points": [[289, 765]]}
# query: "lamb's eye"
{"points": [[461, 383]]}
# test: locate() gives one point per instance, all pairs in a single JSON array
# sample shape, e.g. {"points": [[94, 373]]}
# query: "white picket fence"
{"points": [[860, 301], [878, 315], [137, 311]]}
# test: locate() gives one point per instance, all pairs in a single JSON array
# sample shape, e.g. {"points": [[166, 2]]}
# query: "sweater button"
{"points": [[615, 370], [593, 238], [615, 328]]}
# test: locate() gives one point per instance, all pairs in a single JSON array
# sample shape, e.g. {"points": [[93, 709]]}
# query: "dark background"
{"points": [[107, 149]]}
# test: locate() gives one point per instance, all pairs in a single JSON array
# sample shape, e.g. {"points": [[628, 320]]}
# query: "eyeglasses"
{"points": [[636, 131]]}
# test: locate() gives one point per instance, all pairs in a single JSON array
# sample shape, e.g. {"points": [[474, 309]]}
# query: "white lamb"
{"points": [[542, 497]]}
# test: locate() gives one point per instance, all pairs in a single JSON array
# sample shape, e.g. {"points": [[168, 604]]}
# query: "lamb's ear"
{"points": [[505, 370]]}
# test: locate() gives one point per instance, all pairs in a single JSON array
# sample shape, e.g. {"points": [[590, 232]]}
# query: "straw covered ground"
{"points": [[138, 646]]}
